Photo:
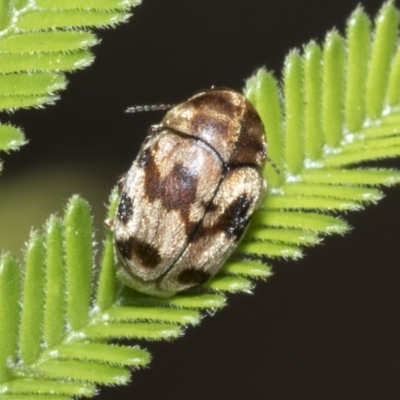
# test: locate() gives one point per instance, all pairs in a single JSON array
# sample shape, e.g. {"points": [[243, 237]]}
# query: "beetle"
{"points": [[187, 200]]}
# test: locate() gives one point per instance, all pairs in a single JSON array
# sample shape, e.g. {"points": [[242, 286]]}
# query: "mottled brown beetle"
{"points": [[188, 197]]}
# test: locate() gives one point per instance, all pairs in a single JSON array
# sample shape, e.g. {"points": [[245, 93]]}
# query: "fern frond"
{"points": [[40, 40], [54, 332], [54, 342], [347, 90]]}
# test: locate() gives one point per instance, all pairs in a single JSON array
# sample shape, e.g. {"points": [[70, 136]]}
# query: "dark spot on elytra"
{"points": [[147, 254], [250, 146], [125, 208], [124, 247], [179, 188], [192, 276], [234, 219], [190, 228], [176, 191], [211, 206], [232, 222]]}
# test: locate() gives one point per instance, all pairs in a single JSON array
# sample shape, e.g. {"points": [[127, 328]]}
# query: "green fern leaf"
{"points": [[330, 90], [341, 107], [40, 41]]}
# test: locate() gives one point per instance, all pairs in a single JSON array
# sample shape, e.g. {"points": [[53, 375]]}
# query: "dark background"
{"points": [[326, 327]]}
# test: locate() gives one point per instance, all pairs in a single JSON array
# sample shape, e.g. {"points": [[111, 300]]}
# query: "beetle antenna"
{"points": [[150, 107]]}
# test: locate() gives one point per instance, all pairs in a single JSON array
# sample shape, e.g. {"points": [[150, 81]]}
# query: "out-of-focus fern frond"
{"points": [[40, 40]]}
